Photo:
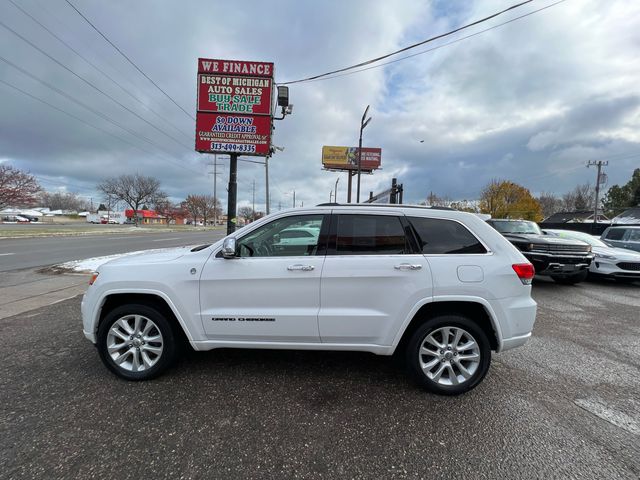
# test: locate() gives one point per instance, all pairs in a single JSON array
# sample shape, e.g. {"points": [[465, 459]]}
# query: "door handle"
{"points": [[304, 268], [407, 266]]}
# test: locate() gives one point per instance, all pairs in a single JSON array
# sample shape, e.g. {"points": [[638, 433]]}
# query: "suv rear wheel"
{"points": [[136, 342], [448, 355]]}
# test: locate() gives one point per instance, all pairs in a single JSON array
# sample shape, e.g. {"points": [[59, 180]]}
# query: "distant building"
{"points": [[146, 217]]}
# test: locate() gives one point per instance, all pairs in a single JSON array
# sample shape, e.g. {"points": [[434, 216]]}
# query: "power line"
{"points": [[439, 46], [91, 84], [131, 61], [91, 125], [377, 59], [82, 104], [53, 34]]}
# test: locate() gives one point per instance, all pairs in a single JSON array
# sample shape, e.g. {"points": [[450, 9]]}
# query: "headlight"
{"points": [[607, 257]]}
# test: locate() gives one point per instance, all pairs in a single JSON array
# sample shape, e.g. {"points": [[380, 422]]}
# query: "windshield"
{"points": [[515, 226], [584, 237]]}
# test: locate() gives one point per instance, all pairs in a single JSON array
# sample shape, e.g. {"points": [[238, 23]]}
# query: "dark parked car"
{"points": [[566, 261]]}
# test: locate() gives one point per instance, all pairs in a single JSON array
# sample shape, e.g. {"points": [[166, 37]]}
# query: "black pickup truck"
{"points": [[565, 261]]}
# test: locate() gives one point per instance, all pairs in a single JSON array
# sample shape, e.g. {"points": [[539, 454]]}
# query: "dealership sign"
{"points": [[234, 107], [346, 158]]}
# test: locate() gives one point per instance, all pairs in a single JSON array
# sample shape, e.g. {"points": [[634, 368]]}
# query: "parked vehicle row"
{"points": [[565, 260], [569, 257], [618, 263]]}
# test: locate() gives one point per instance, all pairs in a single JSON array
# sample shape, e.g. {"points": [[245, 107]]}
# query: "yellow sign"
{"points": [[346, 158]]}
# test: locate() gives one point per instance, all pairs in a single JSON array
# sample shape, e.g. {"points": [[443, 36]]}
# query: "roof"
{"points": [[632, 215], [566, 217], [396, 205]]}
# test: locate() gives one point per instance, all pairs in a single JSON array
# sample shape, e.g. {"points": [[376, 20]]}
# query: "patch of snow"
{"points": [[92, 264]]}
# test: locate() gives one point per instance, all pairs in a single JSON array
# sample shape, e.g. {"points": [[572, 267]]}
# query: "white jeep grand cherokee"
{"points": [[441, 287]]}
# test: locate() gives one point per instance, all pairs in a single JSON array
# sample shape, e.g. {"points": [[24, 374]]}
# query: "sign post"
{"points": [[234, 115]]}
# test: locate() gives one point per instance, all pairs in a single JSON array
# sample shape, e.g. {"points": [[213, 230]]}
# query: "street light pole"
{"points": [[363, 123], [335, 191]]}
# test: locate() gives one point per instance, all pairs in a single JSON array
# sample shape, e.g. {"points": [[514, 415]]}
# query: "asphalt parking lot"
{"points": [[564, 406]]}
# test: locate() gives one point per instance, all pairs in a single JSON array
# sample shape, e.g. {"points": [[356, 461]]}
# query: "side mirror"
{"points": [[229, 248]]}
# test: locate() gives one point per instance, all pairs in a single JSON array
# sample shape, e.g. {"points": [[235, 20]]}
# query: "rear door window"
{"points": [[615, 234], [370, 235], [437, 236]]}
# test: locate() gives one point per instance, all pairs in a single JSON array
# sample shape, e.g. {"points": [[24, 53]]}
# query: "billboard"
{"points": [[346, 158], [234, 108], [247, 95], [242, 134]]}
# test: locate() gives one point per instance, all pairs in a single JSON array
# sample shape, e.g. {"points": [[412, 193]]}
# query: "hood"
{"points": [[621, 254], [537, 238], [151, 256]]}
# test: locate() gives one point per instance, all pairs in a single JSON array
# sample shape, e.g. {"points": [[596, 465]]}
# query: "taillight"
{"points": [[525, 272], [94, 277]]}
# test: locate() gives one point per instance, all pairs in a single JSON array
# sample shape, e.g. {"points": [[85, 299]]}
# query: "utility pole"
{"points": [[253, 207], [599, 180], [215, 189], [294, 198], [266, 185], [233, 193], [335, 190]]}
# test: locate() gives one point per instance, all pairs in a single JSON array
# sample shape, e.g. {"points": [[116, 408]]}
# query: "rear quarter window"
{"points": [[440, 236]]}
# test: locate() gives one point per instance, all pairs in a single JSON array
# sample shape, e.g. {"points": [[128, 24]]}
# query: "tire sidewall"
{"points": [[168, 341], [457, 321]]}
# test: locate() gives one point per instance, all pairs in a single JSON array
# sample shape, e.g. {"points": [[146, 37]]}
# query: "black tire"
{"points": [[413, 357], [571, 279], [169, 341]]}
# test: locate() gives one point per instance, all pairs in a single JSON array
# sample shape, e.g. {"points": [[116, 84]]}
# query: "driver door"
{"points": [[271, 291]]}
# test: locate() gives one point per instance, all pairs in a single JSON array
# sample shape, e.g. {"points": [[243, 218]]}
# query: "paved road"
{"points": [[564, 406], [17, 253]]}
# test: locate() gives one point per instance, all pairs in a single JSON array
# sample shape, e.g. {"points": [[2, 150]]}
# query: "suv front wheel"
{"points": [[448, 355], [136, 342]]}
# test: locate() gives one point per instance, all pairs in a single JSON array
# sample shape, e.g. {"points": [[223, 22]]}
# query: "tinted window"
{"points": [[438, 236], [615, 234], [370, 235], [633, 236], [273, 239]]}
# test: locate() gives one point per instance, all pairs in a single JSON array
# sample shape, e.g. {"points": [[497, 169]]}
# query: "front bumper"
{"points": [[558, 264], [610, 268]]}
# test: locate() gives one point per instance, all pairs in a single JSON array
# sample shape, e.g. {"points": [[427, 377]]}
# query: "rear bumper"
{"points": [[513, 342], [516, 315]]}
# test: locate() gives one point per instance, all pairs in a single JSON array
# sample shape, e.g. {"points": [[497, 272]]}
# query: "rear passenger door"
{"points": [[459, 261], [372, 277]]}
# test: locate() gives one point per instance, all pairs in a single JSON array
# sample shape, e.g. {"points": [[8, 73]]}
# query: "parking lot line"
{"points": [[166, 239], [3, 254]]}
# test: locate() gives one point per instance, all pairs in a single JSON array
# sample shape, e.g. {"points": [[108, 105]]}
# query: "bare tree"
{"points": [[580, 198], [17, 188], [549, 203], [247, 213], [62, 201], [193, 204], [134, 190]]}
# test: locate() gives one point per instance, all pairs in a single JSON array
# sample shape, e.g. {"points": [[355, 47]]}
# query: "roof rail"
{"points": [[398, 205]]}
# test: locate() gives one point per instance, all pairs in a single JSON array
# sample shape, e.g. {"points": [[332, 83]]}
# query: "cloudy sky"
{"points": [[531, 101]]}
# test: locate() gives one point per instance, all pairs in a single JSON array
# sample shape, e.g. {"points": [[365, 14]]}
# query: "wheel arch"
{"points": [[476, 309], [153, 299]]}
